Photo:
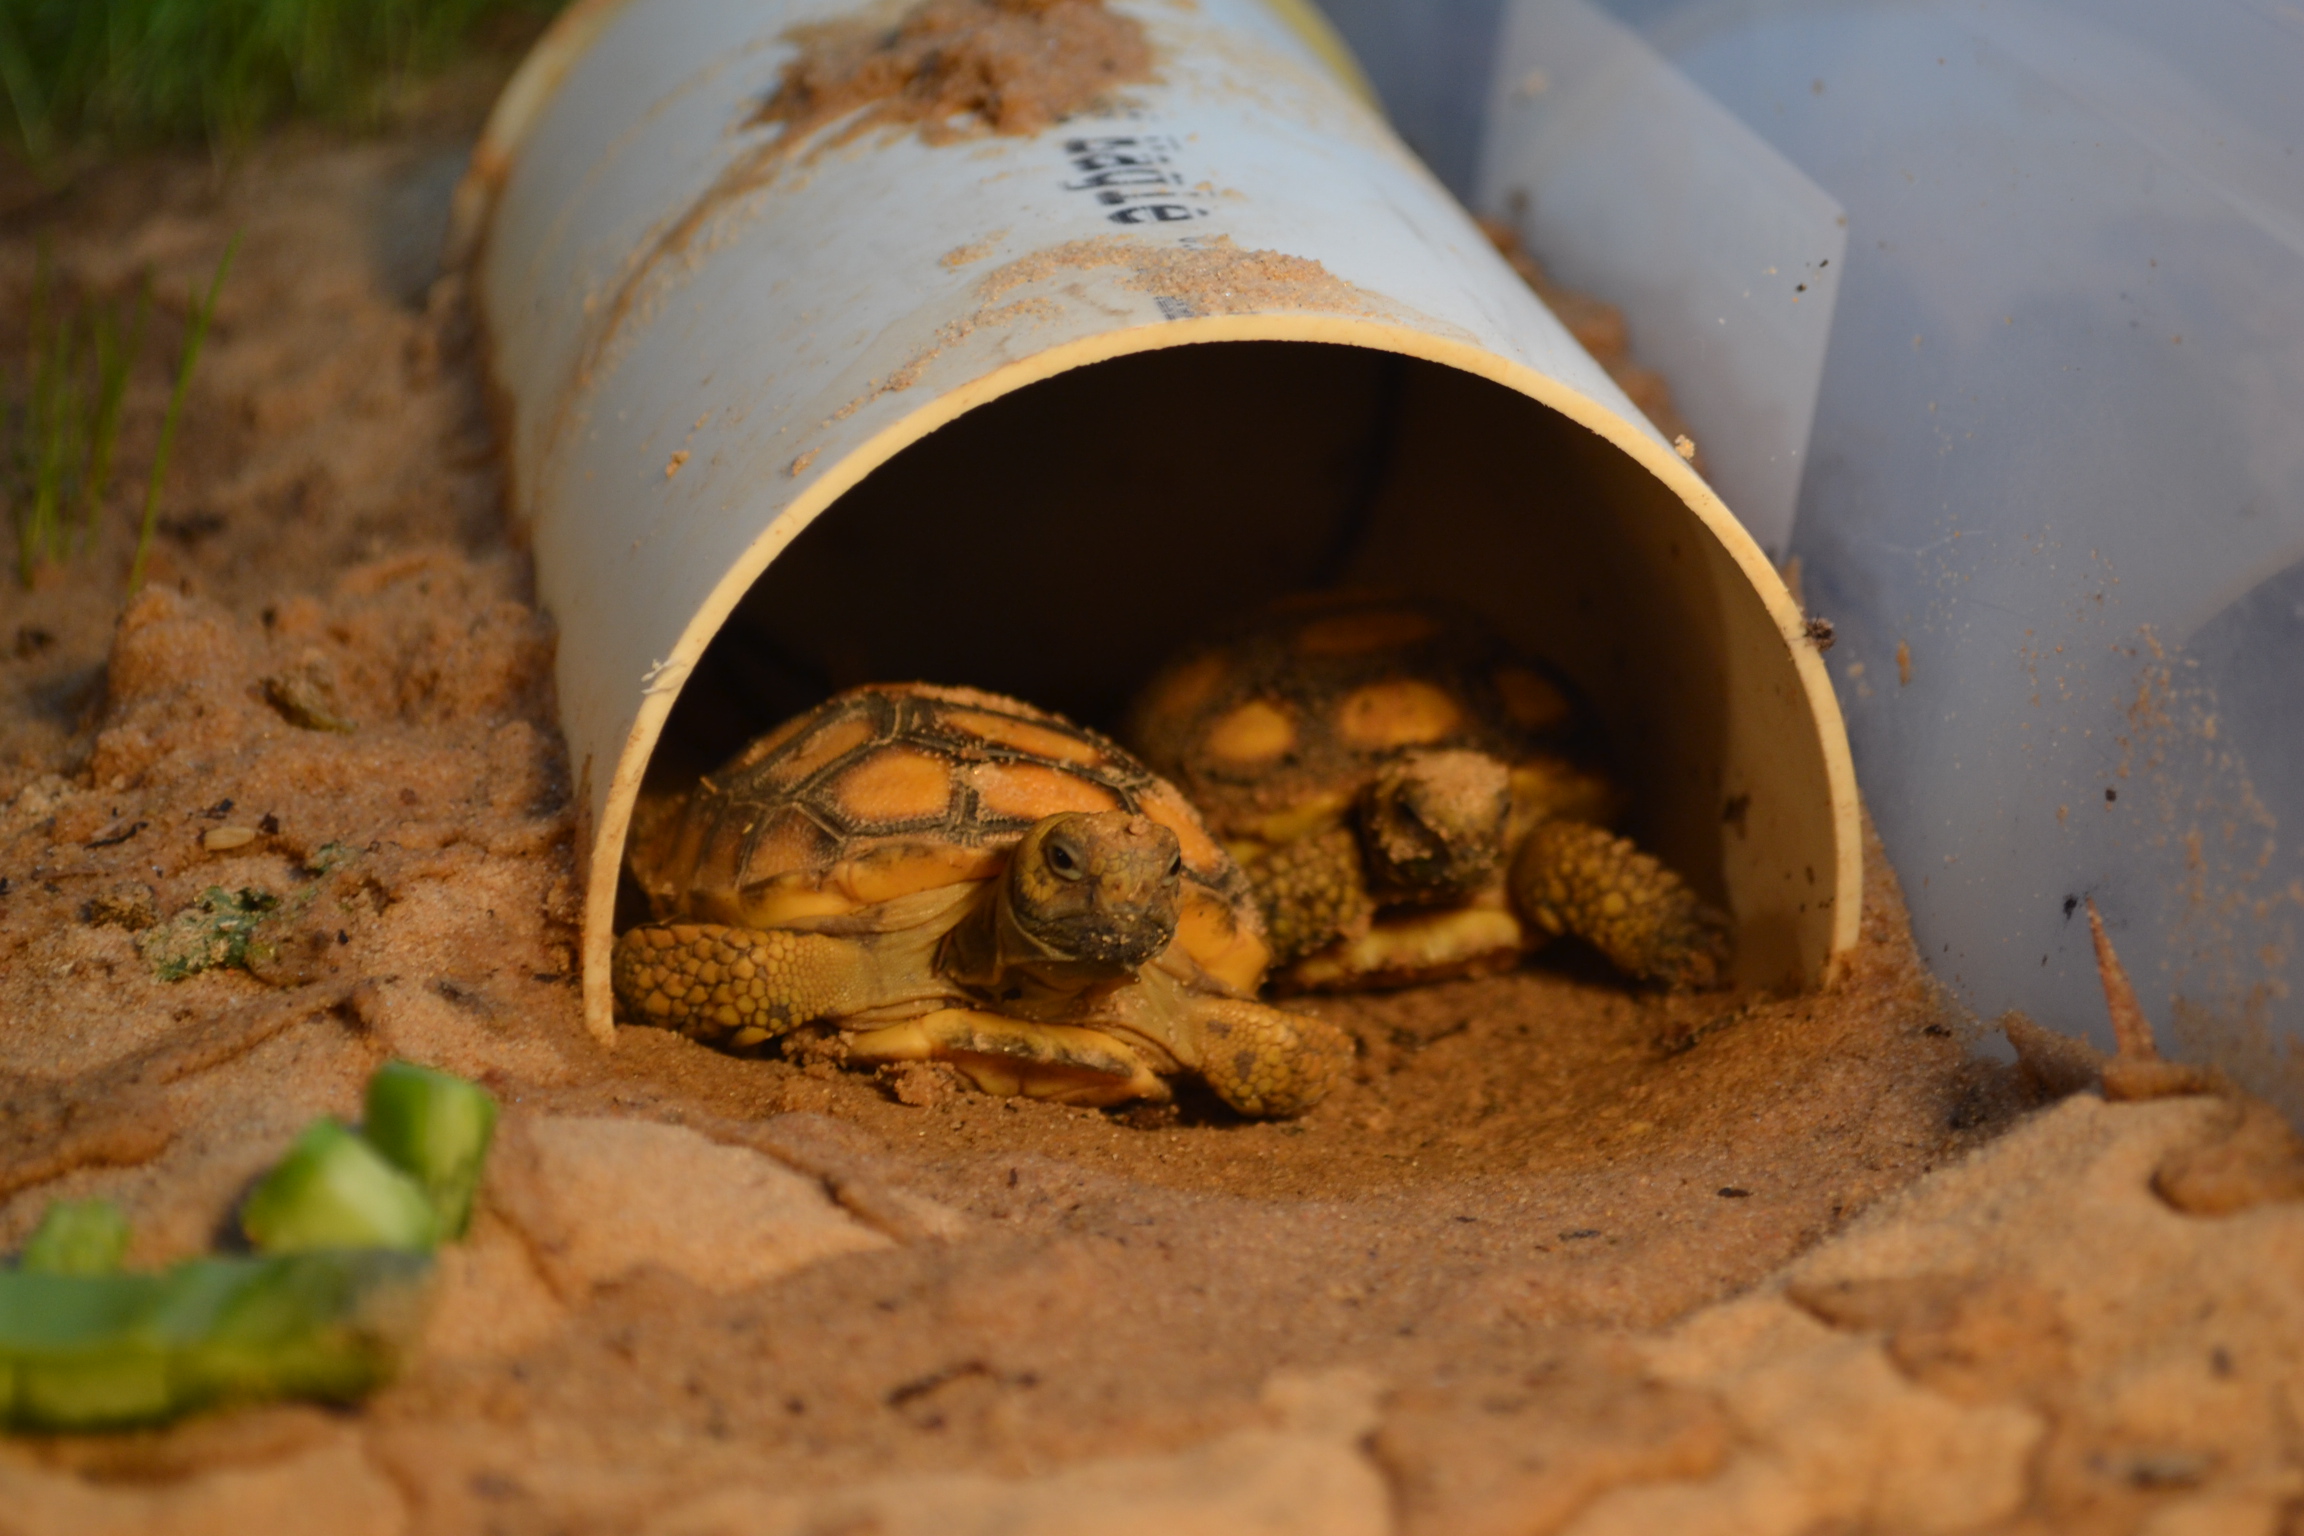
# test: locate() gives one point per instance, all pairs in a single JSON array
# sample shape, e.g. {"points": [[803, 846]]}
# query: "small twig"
{"points": [[2130, 1029], [204, 311], [2137, 1070]]}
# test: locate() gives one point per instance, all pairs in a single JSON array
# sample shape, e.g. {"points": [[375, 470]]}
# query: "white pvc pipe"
{"points": [[680, 409]]}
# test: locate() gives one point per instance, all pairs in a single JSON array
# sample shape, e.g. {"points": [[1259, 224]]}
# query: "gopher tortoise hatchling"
{"points": [[1411, 800], [943, 874]]}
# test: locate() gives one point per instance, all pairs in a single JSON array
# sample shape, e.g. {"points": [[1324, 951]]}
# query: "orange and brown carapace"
{"points": [[1411, 799], [941, 874]]}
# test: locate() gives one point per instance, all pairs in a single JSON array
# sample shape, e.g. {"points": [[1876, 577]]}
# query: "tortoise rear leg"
{"points": [[1573, 877], [1007, 1057], [732, 986], [1314, 891], [1263, 1061]]}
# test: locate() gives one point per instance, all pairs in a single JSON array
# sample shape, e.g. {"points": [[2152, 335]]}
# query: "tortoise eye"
{"points": [[1176, 866], [1062, 860], [1404, 811]]}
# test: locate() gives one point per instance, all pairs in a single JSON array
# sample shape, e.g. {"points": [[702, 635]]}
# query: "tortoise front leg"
{"points": [[1573, 877], [1265, 1062], [1314, 891], [732, 986]]}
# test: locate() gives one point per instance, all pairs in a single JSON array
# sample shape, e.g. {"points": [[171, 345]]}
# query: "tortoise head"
{"points": [[1432, 824], [1100, 887]]}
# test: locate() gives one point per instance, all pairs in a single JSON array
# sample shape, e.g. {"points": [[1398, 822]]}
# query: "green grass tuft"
{"points": [[49, 425], [203, 311], [128, 71], [57, 440], [115, 356]]}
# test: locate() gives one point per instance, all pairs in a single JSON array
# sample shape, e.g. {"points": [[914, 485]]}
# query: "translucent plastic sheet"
{"points": [[2054, 490]]}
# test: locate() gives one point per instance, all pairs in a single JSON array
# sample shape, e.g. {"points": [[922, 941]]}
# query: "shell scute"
{"points": [[1398, 712], [895, 786], [1025, 792], [1250, 734], [784, 840], [765, 746], [822, 747], [1029, 736], [1533, 701]]}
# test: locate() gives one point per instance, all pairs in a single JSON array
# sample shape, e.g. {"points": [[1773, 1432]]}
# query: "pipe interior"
{"points": [[1059, 542]]}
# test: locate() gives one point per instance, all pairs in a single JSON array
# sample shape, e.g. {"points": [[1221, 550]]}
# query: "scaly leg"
{"points": [[1262, 1061], [1573, 877], [1314, 891], [1008, 1057], [732, 986]]}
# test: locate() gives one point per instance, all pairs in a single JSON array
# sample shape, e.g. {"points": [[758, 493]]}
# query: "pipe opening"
{"points": [[1060, 542]]}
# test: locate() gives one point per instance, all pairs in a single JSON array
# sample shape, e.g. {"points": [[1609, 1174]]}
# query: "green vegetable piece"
{"points": [[81, 1352], [334, 1190], [435, 1127], [71, 1354], [78, 1237], [329, 1324]]}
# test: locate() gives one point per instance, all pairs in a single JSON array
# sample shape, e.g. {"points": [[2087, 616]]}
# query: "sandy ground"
{"points": [[1558, 1257]]}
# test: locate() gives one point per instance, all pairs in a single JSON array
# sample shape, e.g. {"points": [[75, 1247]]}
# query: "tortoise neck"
{"points": [[989, 952]]}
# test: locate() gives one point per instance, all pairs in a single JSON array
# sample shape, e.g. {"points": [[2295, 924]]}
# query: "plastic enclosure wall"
{"points": [[2055, 492]]}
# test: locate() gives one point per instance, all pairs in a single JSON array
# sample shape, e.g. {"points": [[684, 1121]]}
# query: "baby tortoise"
{"points": [[1411, 800], [942, 874]]}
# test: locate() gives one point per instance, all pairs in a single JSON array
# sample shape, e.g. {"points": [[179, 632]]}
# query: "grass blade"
{"points": [[51, 426], [25, 451], [195, 338], [113, 363], [22, 81], [60, 436]]}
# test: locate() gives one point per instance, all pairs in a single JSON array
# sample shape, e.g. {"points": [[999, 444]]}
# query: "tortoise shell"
{"points": [[1273, 728], [896, 788]]}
